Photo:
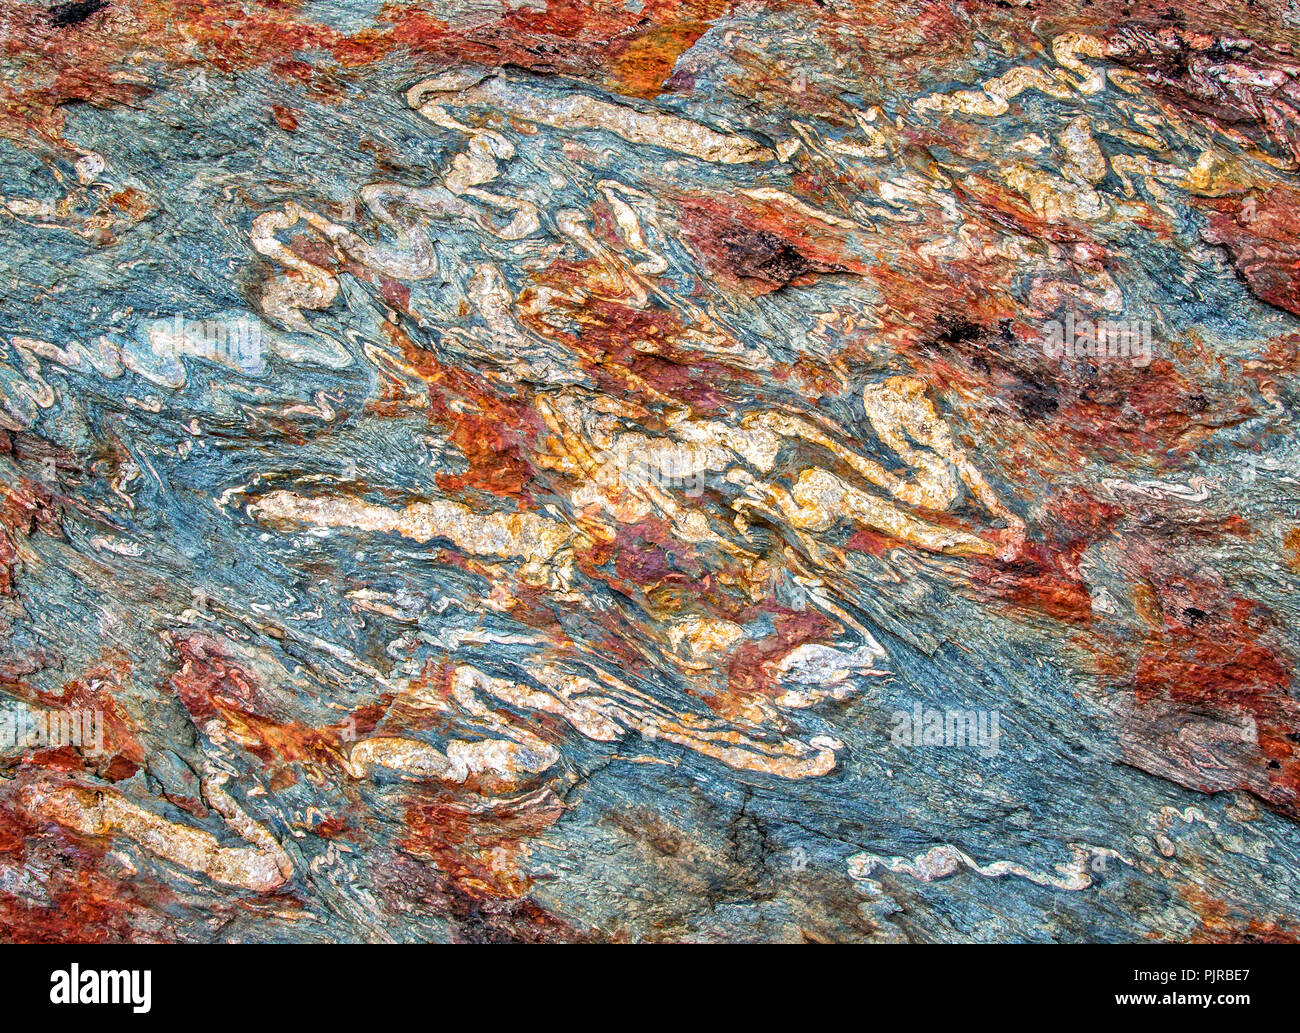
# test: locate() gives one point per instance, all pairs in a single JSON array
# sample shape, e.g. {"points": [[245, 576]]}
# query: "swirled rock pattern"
{"points": [[649, 470]]}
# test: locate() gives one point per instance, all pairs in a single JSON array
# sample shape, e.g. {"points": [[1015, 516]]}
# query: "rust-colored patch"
{"points": [[80, 898], [760, 248], [480, 850], [1262, 234], [642, 64], [210, 685], [1291, 542], [750, 667], [1222, 923], [492, 432], [285, 117]]}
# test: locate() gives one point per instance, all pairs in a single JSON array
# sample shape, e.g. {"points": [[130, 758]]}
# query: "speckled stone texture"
{"points": [[563, 470]]}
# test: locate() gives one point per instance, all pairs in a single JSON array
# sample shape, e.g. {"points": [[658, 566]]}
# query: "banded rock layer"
{"points": [[649, 471]]}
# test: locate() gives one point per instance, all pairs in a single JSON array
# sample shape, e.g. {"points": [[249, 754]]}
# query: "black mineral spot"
{"points": [[763, 256], [1036, 405], [63, 16], [959, 331]]}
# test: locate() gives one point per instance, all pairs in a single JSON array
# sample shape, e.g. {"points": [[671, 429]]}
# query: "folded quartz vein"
{"points": [[649, 471]]}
